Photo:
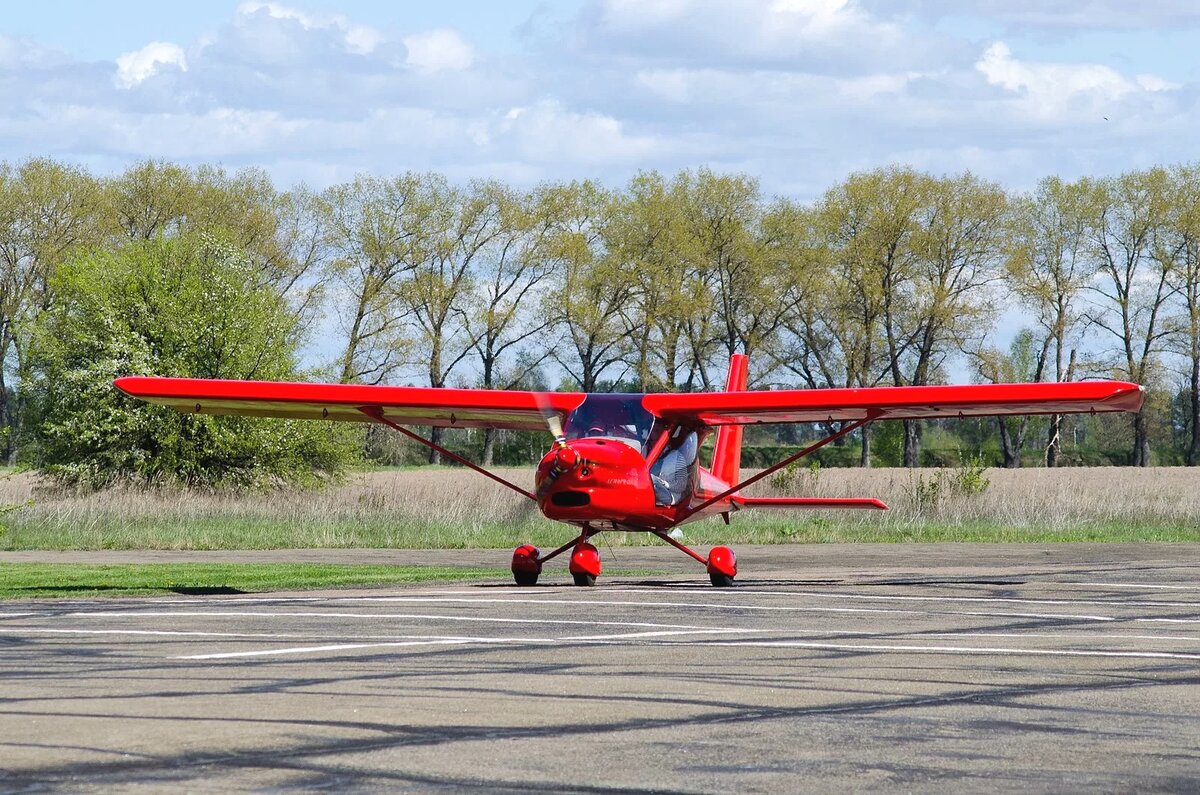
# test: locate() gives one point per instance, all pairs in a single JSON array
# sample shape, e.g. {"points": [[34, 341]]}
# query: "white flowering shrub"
{"points": [[188, 307]]}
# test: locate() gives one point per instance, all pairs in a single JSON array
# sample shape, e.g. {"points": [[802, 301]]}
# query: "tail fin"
{"points": [[727, 452]]}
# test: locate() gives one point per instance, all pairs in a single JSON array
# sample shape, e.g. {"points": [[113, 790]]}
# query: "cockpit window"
{"points": [[612, 416]]}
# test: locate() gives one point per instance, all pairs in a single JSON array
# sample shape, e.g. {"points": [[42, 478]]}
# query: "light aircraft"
{"points": [[631, 462]]}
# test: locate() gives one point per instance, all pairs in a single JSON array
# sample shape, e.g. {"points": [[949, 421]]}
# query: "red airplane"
{"points": [[630, 462]]}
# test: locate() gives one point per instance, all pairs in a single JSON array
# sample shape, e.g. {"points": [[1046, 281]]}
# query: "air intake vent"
{"points": [[570, 499]]}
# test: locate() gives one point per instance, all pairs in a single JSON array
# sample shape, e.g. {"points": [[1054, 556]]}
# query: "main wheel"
{"points": [[585, 564], [525, 577], [526, 564], [722, 567]]}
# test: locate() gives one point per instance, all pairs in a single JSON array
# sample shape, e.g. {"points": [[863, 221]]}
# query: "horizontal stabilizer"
{"points": [[862, 503]]}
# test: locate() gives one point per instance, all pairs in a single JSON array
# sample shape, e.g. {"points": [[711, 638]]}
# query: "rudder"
{"points": [[727, 451]]}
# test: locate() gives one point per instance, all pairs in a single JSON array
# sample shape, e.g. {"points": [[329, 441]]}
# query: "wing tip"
{"points": [[126, 384]]}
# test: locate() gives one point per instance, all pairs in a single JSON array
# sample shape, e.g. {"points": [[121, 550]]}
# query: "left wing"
{"points": [[406, 405], [893, 403]]}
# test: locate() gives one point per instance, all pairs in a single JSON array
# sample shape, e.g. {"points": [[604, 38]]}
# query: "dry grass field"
{"points": [[446, 508]]}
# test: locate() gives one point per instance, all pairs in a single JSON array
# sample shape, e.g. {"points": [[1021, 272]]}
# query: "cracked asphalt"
{"points": [[842, 667]]}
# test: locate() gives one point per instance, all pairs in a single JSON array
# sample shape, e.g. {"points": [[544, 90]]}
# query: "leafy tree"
{"points": [[588, 291], [959, 247], [1023, 363], [187, 306], [500, 315], [48, 212], [1049, 271], [646, 243], [1132, 285], [284, 234], [1179, 247], [377, 229]]}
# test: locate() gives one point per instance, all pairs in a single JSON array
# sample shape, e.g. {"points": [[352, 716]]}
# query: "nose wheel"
{"points": [[585, 564]]}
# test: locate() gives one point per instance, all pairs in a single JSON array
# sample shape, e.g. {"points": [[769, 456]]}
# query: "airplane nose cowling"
{"points": [[594, 480]]}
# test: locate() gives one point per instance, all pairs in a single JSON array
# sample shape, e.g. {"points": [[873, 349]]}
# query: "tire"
{"points": [[525, 578], [584, 579], [721, 580]]}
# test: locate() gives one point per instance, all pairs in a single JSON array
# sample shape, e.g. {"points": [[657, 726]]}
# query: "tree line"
{"points": [[892, 277]]}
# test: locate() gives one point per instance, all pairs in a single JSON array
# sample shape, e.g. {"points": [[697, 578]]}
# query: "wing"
{"points": [[894, 403], [458, 408]]}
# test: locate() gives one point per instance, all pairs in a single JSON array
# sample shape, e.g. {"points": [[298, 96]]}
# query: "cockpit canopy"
{"points": [[613, 416]]}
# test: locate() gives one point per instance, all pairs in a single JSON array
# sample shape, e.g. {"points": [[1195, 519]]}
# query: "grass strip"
{"points": [[217, 533]]}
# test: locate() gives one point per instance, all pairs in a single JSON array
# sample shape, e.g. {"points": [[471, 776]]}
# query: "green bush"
{"points": [[192, 307]]}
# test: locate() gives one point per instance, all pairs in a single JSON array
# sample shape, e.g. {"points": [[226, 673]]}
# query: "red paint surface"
{"points": [[895, 403], [721, 560]]}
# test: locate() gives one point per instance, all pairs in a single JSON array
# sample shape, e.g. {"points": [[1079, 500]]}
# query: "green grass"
{"points": [[19, 580], [264, 532], [823, 530]]}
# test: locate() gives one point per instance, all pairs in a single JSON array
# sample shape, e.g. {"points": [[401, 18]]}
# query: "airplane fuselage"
{"points": [[608, 483]]}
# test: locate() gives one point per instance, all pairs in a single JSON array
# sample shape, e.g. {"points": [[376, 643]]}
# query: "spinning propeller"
{"points": [[565, 457]]}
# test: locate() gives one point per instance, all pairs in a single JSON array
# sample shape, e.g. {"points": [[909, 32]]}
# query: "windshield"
{"points": [[613, 416]]}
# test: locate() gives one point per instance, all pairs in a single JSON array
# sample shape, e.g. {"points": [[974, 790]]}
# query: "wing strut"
{"points": [[774, 467], [376, 415]]}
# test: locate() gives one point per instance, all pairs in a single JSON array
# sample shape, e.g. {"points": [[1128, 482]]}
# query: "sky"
{"points": [[798, 93]]}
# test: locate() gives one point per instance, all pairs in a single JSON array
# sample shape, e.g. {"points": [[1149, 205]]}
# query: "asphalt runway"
{"points": [[931, 668]]}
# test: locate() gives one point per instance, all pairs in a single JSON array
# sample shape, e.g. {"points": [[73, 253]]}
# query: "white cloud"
{"points": [[438, 51], [836, 34], [17, 53], [548, 133], [869, 86], [1067, 17], [673, 85], [357, 39], [134, 67], [1049, 88], [1155, 83]]}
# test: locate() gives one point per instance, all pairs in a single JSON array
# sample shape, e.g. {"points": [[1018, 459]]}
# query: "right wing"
{"points": [[893, 403]]}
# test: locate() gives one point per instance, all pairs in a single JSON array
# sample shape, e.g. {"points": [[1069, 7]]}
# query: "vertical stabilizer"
{"points": [[727, 453]]}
